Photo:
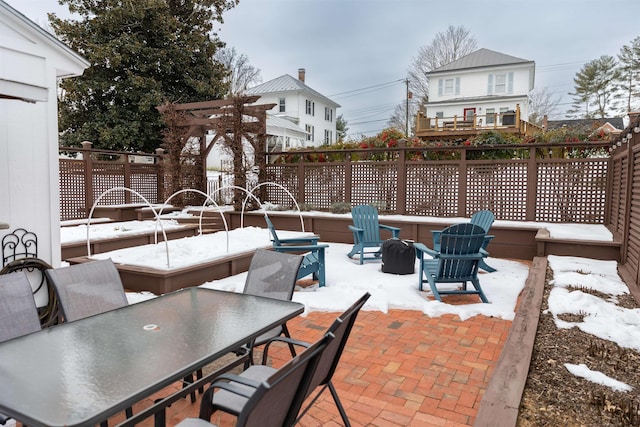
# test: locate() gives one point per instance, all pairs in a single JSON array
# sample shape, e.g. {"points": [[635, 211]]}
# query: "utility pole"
{"points": [[406, 123]]}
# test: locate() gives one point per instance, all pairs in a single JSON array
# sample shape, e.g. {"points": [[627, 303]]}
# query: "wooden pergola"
{"points": [[233, 120]]}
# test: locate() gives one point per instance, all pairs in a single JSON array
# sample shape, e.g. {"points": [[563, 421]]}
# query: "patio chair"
{"points": [[340, 329], [366, 232], [274, 275], [18, 311], [456, 262], [313, 261], [87, 289], [272, 402], [484, 219]]}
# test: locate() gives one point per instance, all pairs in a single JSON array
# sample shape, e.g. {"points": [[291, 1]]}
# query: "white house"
{"points": [[310, 110], [481, 84], [31, 61]]}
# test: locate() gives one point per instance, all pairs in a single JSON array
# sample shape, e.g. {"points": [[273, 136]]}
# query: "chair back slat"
{"points": [[87, 289], [272, 230], [484, 219], [18, 311]]}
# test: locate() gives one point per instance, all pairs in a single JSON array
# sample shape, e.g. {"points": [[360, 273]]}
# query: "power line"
{"points": [[366, 88]]}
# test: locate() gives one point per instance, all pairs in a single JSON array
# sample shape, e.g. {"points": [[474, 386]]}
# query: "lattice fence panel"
{"points": [[633, 242], [432, 189], [106, 176], [571, 191], [324, 185], [144, 180], [287, 177], [500, 187], [375, 183], [72, 190], [618, 199]]}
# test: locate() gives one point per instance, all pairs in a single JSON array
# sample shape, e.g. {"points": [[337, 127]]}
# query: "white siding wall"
{"points": [[29, 169], [474, 85], [296, 108]]}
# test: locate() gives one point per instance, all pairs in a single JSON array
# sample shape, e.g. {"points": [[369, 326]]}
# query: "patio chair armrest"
{"points": [[484, 253], [287, 340], [300, 248], [395, 231], [226, 382], [312, 240], [355, 229], [421, 249], [488, 237]]}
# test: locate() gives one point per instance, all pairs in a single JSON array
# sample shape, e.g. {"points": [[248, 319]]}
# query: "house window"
{"points": [[328, 114], [283, 107], [499, 84], [449, 86], [491, 118], [310, 107], [440, 114], [309, 130], [328, 136]]}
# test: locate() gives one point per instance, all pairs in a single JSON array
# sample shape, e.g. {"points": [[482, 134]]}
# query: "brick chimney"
{"points": [[301, 72]]}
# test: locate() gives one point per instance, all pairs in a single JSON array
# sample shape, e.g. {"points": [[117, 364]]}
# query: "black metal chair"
{"points": [[270, 402], [88, 289], [273, 275], [340, 330], [18, 311]]}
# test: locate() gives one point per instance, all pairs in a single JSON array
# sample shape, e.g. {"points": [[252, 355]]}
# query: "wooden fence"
{"points": [[624, 213], [531, 187]]}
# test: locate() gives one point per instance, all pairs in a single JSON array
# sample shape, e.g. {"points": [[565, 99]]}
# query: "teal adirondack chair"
{"points": [[366, 232], [313, 261], [457, 261], [483, 219]]}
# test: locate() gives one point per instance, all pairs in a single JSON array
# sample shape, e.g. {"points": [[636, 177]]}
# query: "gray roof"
{"points": [[616, 122], [286, 83], [481, 58], [282, 123]]}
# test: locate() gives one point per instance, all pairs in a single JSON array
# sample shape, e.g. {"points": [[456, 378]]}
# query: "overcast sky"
{"points": [[357, 52]]}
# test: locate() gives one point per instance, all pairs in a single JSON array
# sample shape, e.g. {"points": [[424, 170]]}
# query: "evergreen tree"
{"points": [[629, 58], [341, 128], [595, 86], [142, 53]]}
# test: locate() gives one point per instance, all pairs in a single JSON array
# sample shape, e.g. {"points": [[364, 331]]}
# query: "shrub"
{"points": [[340, 207]]}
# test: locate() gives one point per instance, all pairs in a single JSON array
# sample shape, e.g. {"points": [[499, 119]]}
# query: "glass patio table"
{"points": [[80, 373]]}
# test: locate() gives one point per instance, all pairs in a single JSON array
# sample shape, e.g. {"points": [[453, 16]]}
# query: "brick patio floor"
{"points": [[400, 368]]}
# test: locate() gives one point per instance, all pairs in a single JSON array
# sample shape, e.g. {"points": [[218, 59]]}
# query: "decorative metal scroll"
{"points": [[19, 244], [20, 252]]}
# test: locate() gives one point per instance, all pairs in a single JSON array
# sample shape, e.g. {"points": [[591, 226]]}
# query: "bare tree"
{"points": [[445, 47], [241, 74], [542, 102]]}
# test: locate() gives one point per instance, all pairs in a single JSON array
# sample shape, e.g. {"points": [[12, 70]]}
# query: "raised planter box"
{"points": [[138, 279], [79, 249], [512, 241]]}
